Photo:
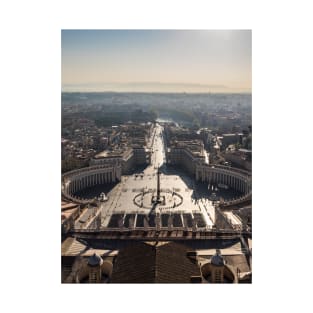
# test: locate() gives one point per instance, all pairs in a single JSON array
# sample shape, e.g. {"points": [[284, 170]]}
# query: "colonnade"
{"points": [[88, 177], [238, 180]]}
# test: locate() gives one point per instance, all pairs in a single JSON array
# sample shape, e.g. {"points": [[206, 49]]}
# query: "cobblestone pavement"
{"points": [[121, 198]]}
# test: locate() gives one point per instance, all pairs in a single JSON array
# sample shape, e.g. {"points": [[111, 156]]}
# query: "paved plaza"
{"points": [[123, 197]]}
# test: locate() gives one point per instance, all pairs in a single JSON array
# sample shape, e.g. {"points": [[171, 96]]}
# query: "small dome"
{"points": [[95, 260], [217, 259]]}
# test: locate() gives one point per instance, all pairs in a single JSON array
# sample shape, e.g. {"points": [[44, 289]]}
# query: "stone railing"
{"points": [[237, 201]]}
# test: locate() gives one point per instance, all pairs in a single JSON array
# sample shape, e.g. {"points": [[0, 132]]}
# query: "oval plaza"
{"points": [[165, 207]]}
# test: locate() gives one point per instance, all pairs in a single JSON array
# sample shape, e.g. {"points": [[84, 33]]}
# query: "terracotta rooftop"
{"points": [[146, 263], [70, 205], [66, 214]]}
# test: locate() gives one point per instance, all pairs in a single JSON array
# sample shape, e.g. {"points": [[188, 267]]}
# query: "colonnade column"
{"points": [[113, 173]]}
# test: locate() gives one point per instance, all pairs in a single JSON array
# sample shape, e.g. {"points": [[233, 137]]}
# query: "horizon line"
{"points": [[157, 92], [153, 87]]}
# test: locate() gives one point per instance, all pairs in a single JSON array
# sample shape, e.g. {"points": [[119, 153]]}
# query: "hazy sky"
{"points": [[157, 60]]}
